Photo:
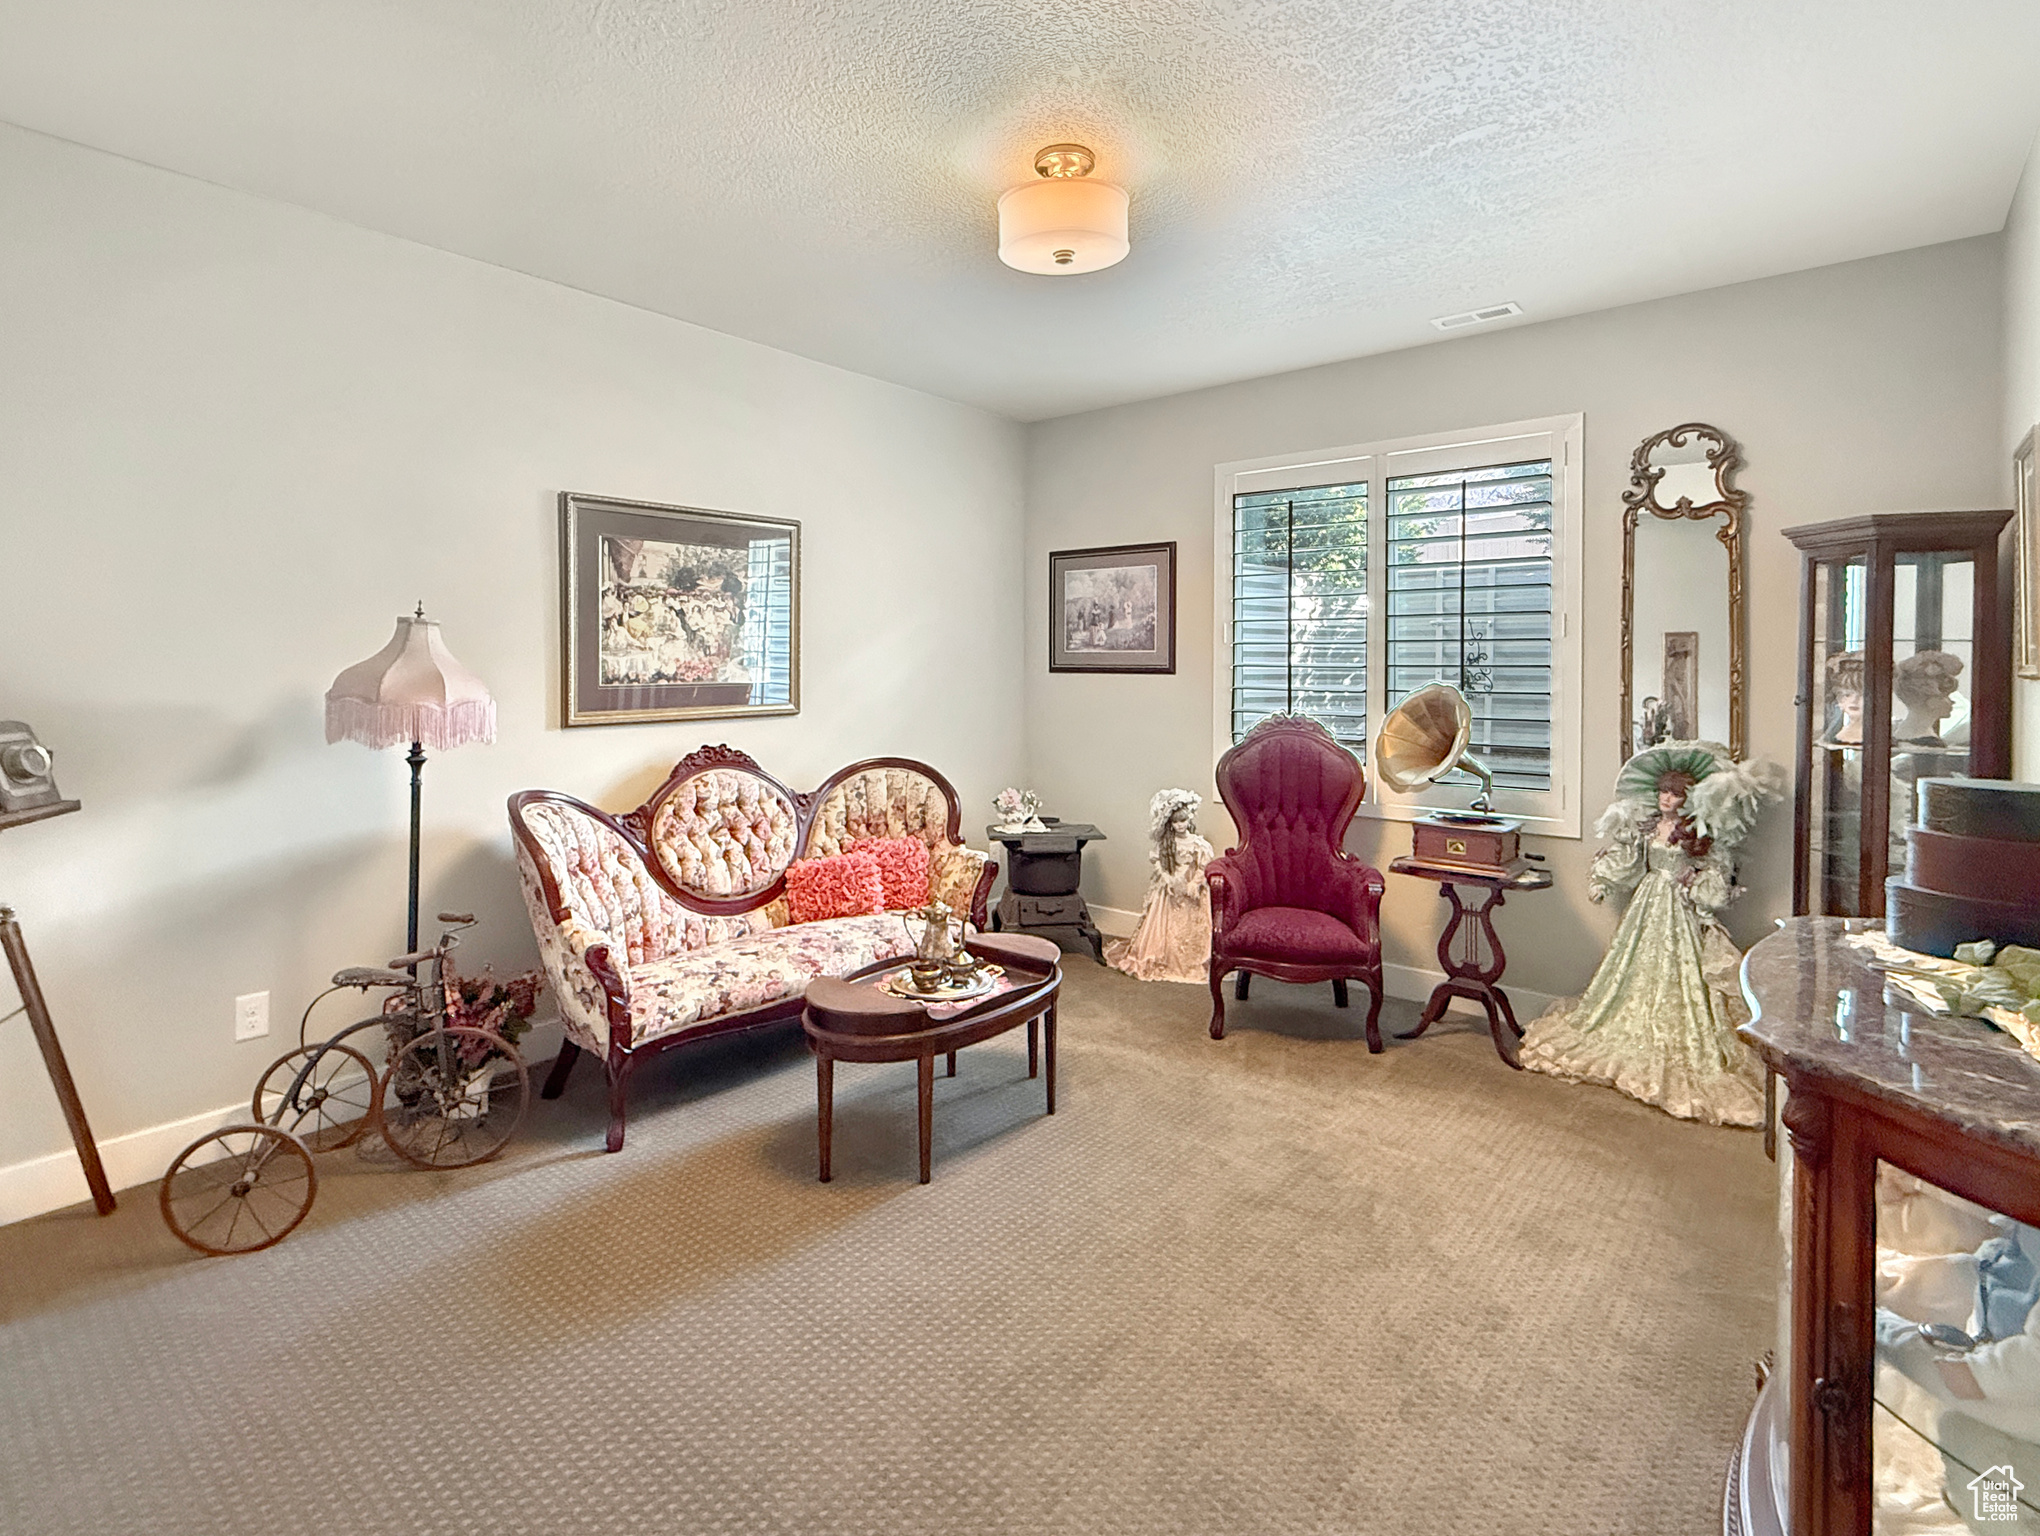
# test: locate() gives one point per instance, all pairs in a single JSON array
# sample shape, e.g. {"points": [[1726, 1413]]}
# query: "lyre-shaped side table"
{"points": [[1469, 973]]}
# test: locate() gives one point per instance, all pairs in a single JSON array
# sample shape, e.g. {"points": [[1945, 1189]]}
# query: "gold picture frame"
{"points": [[676, 613], [1721, 501], [2026, 559]]}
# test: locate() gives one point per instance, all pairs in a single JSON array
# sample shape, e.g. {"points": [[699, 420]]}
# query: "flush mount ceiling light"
{"points": [[1063, 222]]}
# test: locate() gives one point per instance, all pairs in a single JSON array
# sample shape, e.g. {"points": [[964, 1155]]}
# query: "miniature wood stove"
{"points": [[1043, 872]]}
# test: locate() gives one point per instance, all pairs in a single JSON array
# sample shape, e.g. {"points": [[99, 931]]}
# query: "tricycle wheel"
{"points": [[326, 1094], [454, 1097], [241, 1189]]}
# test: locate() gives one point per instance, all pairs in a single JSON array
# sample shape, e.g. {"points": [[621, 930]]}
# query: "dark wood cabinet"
{"points": [[1878, 1096], [1904, 674]]}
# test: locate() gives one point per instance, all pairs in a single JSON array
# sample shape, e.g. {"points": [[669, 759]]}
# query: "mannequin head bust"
{"points": [[1925, 684], [1845, 690]]}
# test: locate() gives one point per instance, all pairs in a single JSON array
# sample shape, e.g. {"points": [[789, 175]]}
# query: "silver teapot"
{"points": [[938, 946]]}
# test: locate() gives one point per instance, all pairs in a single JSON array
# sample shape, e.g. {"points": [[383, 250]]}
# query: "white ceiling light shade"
{"points": [[1064, 222]]}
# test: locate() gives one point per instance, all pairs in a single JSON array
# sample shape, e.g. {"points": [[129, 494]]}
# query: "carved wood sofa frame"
{"points": [[646, 833]]}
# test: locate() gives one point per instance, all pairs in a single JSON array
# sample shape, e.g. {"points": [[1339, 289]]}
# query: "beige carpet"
{"points": [[1266, 1285]]}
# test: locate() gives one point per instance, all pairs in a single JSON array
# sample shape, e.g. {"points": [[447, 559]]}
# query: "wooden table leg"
{"points": [[1471, 975], [825, 1107], [53, 1058], [1033, 1046], [924, 1072], [1048, 1039]]}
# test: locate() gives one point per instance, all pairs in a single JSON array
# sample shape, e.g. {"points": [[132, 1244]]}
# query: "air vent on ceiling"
{"points": [[1460, 322]]}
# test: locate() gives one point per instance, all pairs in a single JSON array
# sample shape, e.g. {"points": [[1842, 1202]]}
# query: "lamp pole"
{"points": [[417, 761]]}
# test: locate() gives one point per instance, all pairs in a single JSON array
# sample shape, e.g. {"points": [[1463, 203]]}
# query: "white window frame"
{"points": [[1549, 813]]}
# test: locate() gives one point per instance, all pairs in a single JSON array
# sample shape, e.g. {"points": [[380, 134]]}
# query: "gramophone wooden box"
{"points": [[1490, 844]]}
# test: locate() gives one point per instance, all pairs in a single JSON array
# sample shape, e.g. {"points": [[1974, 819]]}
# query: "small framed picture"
{"points": [[2026, 564], [675, 613], [1112, 609]]}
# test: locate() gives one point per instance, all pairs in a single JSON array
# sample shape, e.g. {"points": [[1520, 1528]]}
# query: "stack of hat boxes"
{"points": [[1972, 867]]}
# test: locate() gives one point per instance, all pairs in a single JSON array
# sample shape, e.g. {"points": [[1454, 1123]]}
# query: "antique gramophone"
{"points": [[1423, 739]]}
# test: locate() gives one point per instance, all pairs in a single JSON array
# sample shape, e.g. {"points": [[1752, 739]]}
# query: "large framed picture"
{"points": [[675, 613], [1112, 609], [2026, 564]]}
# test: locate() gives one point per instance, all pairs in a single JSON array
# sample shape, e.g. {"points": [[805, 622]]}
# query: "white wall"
{"points": [[1863, 387], [2022, 407], [239, 439]]}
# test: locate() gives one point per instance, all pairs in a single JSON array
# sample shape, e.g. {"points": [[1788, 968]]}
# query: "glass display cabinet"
{"points": [[1904, 673], [1906, 1396]]}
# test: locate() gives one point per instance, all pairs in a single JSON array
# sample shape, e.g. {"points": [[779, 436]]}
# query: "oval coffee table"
{"points": [[853, 1019]]}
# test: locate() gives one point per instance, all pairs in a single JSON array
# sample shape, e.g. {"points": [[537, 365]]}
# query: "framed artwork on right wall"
{"points": [[2026, 565], [1112, 609]]}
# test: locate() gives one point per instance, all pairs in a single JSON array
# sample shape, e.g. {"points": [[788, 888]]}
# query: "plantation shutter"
{"points": [[1299, 604], [768, 622], [1470, 601]]}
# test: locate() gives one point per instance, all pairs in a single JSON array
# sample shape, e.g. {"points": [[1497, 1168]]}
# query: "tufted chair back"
{"points": [[577, 866], [896, 797], [880, 800], [1292, 792], [722, 834]]}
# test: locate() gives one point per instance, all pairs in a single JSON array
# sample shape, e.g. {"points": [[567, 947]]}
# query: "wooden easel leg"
{"points": [[53, 1058]]}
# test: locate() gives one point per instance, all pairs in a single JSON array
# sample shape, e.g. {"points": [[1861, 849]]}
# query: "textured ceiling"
{"points": [[1311, 179]]}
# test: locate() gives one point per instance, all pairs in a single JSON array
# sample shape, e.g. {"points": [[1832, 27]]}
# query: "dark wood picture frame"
{"points": [[1101, 651], [586, 523]]}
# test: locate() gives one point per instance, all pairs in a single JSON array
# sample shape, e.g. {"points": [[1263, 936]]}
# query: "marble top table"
{"points": [[1822, 1013]]}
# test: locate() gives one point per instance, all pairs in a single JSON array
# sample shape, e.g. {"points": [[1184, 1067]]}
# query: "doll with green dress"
{"points": [[1658, 1020]]}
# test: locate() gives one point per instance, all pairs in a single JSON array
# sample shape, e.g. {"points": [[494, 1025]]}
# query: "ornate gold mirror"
{"points": [[1682, 571]]}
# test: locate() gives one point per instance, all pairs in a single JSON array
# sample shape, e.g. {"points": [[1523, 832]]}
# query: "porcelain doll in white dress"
{"points": [[1173, 941]]}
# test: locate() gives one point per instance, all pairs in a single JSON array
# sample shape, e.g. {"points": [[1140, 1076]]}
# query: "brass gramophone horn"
{"points": [[1424, 738]]}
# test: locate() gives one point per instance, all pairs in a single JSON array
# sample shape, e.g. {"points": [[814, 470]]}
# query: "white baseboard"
{"points": [[1412, 983], [54, 1181], [1115, 922], [140, 1158]]}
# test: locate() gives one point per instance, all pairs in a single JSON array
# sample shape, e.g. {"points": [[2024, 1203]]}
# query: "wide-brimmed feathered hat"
{"points": [[1726, 794], [1697, 760]]}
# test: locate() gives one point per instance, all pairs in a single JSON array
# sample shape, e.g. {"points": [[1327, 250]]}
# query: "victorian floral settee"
{"points": [[668, 924]]}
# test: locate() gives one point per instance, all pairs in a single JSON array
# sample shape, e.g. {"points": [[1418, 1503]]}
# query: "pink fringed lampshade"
{"points": [[410, 690]]}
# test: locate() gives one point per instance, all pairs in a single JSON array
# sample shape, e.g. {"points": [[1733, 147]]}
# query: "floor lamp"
{"points": [[411, 690]]}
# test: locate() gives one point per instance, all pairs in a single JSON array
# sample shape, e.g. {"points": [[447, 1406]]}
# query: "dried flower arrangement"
{"points": [[503, 1008]]}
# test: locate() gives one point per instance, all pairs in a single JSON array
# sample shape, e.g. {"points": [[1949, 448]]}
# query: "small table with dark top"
{"points": [[1043, 872], [1467, 974], [853, 1019]]}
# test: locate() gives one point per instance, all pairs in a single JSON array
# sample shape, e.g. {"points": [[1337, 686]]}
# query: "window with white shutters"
{"points": [[1299, 573], [1469, 602], [1351, 578]]}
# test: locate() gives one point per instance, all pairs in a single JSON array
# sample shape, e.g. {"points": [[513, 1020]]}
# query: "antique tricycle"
{"points": [[447, 1096]]}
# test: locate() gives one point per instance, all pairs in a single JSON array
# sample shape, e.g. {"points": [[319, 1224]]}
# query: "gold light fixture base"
{"points": [[1064, 160], [1063, 221]]}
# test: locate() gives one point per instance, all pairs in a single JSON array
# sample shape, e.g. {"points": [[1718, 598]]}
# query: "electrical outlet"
{"points": [[251, 1015]]}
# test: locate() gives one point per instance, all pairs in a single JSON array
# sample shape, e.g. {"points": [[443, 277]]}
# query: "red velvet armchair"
{"points": [[1289, 901]]}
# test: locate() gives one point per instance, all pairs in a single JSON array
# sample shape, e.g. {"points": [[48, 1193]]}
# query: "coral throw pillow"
{"points": [[845, 886], [902, 869]]}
